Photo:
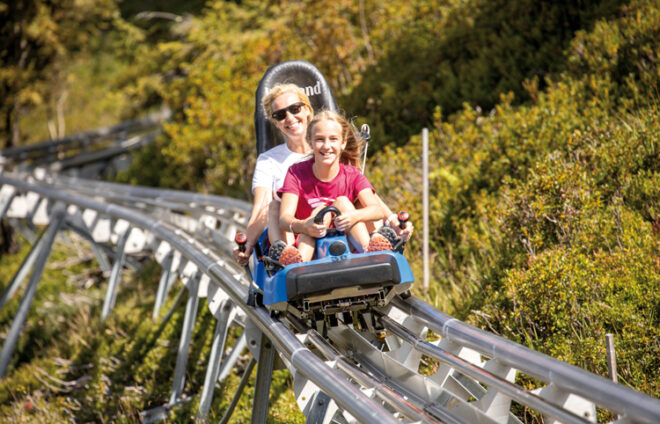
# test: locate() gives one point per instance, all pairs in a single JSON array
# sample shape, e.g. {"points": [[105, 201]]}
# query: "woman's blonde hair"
{"points": [[354, 143], [278, 90]]}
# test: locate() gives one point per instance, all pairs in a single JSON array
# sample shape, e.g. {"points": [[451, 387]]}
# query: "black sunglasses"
{"points": [[293, 109]]}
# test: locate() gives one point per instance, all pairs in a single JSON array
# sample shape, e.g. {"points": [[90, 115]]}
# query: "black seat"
{"points": [[364, 271], [299, 72]]}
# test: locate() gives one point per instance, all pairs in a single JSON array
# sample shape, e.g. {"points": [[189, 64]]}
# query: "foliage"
{"points": [[85, 99], [544, 218], [445, 53], [38, 38], [565, 300]]}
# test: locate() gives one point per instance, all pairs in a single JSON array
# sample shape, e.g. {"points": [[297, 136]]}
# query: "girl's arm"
{"points": [[370, 211], [289, 222], [391, 219], [288, 211]]}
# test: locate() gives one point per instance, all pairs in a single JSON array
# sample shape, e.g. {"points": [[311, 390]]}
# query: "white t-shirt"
{"points": [[272, 166]]}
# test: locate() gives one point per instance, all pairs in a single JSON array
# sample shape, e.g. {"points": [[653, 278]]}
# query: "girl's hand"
{"points": [[312, 229], [345, 221]]}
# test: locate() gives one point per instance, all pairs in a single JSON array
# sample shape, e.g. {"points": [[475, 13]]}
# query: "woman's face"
{"points": [[291, 125], [327, 142]]}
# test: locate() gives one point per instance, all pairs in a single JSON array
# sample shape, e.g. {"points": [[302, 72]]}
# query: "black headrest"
{"points": [[304, 75]]}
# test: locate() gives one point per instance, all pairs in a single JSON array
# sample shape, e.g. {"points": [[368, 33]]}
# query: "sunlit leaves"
{"points": [[38, 38]]}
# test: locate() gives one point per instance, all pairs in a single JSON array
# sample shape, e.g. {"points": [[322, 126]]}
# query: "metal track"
{"points": [[226, 283], [351, 376], [79, 145]]}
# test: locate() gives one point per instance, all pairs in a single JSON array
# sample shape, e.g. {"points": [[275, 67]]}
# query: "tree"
{"points": [[37, 37]]}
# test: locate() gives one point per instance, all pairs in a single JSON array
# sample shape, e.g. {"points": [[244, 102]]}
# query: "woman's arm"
{"points": [[256, 224], [259, 217]]}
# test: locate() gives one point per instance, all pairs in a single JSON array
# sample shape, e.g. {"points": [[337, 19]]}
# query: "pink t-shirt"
{"points": [[312, 192]]}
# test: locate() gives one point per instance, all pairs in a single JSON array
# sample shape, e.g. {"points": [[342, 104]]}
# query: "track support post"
{"points": [[217, 349], [77, 224], [23, 271], [7, 194], [56, 218], [319, 409], [163, 284], [262, 383], [232, 358], [120, 257], [186, 333], [239, 390]]}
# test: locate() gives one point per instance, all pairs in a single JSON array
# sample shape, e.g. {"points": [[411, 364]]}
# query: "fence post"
{"points": [[425, 203]]}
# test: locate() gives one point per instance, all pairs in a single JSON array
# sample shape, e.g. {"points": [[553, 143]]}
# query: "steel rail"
{"points": [[138, 202], [189, 206], [82, 139], [344, 393], [100, 155], [602, 392], [405, 403], [515, 392], [103, 187]]}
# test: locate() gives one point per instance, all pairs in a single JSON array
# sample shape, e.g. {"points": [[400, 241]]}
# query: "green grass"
{"points": [[69, 366]]}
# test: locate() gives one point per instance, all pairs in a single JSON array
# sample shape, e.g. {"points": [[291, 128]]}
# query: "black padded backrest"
{"points": [[304, 75]]}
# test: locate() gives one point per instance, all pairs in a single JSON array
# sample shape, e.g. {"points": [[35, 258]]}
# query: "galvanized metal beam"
{"points": [[115, 275], [163, 284], [184, 342], [22, 271], [239, 391], [217, 350], [56, 219], [262, 384]]}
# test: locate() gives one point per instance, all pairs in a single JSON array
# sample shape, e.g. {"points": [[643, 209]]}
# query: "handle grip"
{"points": [[318, 219], [240, 238], [403, 217]]}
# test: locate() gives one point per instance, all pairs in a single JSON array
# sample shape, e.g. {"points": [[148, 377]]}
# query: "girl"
{"points": [[328, 178]]}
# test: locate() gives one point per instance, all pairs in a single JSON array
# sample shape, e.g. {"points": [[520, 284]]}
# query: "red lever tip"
{"points": [[240, 238]]}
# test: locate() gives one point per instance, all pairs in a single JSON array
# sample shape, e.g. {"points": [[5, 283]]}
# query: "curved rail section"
{"points": [[91, 148], [465, 375]]}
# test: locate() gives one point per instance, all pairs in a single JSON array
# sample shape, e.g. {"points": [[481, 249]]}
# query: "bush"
{"points": [[544, 217], [564, 301]]}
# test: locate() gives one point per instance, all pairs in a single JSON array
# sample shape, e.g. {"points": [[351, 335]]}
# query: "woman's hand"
{"points": [[345, 221], [404, 233], [242, 257]]}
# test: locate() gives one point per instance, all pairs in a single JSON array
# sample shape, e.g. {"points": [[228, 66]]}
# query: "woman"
{"points": [[328, 178], [288, 108]]}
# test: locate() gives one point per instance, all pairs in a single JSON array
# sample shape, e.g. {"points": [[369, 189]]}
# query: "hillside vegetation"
{"points": [[544, 142]]}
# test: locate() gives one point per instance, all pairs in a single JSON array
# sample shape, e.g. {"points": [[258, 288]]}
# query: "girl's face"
{"points": [[291, 125], [327, 142]]}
